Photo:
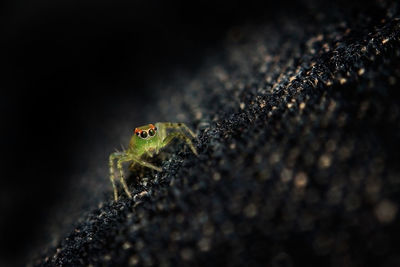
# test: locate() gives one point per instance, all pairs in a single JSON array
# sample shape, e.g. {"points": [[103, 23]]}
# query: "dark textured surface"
{"points": [[298, 123]]}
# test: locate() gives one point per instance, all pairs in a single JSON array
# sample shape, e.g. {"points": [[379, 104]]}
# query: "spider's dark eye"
{"points": [[137, 133], [143, 134], [151, 132], [155, 128]]}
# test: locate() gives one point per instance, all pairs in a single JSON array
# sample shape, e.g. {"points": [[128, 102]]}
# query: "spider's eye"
{"points": [[143, 134], [151, 132], [137, 133], [155, 128]]}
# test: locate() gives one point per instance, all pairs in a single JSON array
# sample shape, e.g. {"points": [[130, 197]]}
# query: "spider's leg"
{"points": [[179, 126], [181, 136], [144, 163], [114, 156], [121, 172], [132, 166]]}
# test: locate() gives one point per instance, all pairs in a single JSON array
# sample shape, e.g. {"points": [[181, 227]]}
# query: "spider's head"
{"points": [[146, 132]]}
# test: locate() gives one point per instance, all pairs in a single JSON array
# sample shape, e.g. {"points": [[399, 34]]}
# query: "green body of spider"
{"points": [[147, 141]]}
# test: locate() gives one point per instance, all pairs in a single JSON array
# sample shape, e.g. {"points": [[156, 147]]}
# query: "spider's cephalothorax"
{"points": [[147, 140]]}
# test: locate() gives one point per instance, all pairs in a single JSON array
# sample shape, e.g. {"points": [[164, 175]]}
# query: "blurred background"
{"points": [[72, 70]]}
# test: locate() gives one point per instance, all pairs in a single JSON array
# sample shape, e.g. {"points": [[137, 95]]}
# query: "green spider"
{"points": [[147, 140]]}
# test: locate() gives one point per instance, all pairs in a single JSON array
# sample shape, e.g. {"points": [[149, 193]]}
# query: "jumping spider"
{"points": [[147, 140]]}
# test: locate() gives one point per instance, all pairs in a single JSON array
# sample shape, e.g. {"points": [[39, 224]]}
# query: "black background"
{"points": [[67, 67]]}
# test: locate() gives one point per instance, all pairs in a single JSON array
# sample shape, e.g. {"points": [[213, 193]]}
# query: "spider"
{"points": [[147, 140]]}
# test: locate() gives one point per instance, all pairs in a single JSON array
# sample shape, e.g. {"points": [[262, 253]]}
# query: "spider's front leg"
{"points": [[121, 158], [127, 158], [113, 156], [121, 173], [143, 163]]}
